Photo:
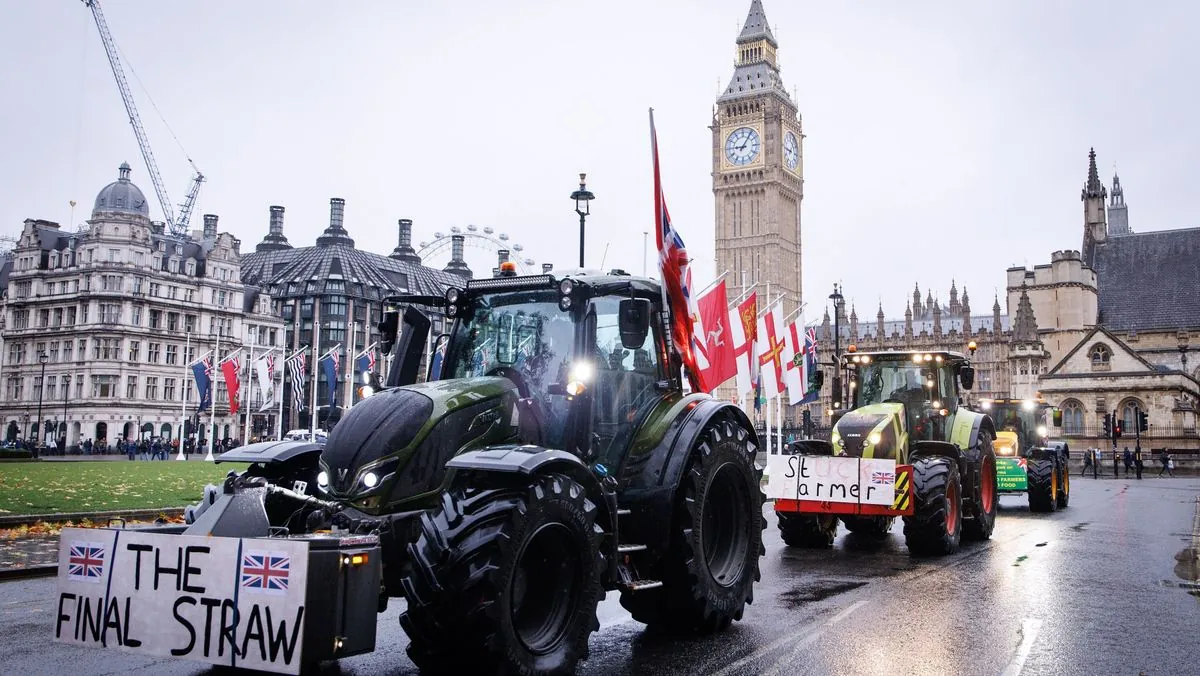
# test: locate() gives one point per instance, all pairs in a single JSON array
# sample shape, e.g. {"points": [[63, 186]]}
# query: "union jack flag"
{"points": [[676, 272], [883, 478], [266, 572], [85, 562]]}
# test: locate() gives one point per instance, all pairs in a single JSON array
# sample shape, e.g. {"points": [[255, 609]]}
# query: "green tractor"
{"points": [[1027, 461], [904, 447], [550, 457]]}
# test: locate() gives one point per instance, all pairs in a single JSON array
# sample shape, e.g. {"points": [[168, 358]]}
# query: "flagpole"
{"points": [[349, 351], [658, 229], [712, 283], [183, 420], [212, 408], [312, 418], [249, 396]]}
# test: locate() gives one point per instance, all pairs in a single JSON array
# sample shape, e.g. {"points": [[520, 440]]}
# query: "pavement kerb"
{"points": [[17, 520], [7, 574]]}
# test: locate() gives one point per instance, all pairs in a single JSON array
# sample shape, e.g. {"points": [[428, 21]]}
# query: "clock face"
{"points": [[741, 146], [791, 151]]}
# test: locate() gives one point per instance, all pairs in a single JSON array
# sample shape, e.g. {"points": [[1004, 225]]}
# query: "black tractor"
{"points": [[549, 456]]}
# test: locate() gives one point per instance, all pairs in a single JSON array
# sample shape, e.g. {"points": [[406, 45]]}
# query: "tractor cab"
{"points": [[582, 351], [899, 397]]}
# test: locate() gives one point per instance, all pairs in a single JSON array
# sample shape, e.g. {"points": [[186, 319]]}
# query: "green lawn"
{"points": [[49, 487]]}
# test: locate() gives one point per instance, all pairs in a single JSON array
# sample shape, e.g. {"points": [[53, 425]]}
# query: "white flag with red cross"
{"points": [[795, 373], [742, 329], [774, 353]]}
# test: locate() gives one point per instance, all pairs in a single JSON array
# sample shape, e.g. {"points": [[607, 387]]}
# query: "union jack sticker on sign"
{"points": [[85, 562], [266, 572], [883, 478]]}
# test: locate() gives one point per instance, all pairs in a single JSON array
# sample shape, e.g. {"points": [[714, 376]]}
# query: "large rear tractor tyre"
{"points": [[874, 527], [1043, 485], [935, 528], [1064, 485], [810, 531], [711, 565], [505, 579], [986, 502]]}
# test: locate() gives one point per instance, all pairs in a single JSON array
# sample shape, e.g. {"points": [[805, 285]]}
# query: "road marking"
{"points": [[1029, 631], [803, 640]]}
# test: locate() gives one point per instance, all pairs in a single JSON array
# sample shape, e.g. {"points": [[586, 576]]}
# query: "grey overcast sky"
{"points": [[944, 139]]}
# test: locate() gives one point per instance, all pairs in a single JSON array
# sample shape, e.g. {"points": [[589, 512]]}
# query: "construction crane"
{"points": [[177, 228]]}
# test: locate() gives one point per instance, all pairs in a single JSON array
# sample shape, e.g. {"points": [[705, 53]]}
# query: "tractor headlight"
{"points": [[1004, 449], [366, 391], [581, 374], [370, 480], [1027, 405], [452, 295], [875, 438], [566, 287], [323, 479]]}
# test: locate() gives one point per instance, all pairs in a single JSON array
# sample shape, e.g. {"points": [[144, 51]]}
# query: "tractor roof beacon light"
{"points": [[508, 269], [583, 200]]}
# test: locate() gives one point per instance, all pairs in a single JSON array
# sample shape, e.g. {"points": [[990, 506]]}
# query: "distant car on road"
{"points": [[306, 435]]}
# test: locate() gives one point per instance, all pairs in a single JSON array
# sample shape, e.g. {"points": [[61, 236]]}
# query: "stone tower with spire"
{"points": [[758, 169], [1095, 228], [1027, 356], [1118, 213]]}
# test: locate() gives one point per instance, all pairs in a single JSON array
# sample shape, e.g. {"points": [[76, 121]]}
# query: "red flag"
{"points": [[676, 275], [229, 369], [716, 339]]}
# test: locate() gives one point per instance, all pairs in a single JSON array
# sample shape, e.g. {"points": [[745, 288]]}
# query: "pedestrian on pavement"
{"points": [[1128, 458], [1137, 461], [1088, 457], [1168, 464], [130, 448]]}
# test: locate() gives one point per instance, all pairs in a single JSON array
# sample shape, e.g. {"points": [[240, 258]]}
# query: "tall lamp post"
{"points": [[41, 424], [583, 199], [838, 302]]}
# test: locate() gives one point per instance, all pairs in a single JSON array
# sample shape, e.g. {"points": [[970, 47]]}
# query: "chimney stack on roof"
{"points": [[276, 220], [275, 238], [404, 250], [336, 232], [210, 226], [457, 266], [547, 267]]}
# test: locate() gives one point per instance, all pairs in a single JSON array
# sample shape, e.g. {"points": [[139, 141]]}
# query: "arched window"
{"points": [[1072, 417], [1101, 356], [1129, 409]]}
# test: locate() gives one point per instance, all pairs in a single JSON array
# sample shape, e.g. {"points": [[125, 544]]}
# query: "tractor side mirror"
{"points": [[1056, 417], [389, 328], [966, 376], [409, 347], [634, 322]]}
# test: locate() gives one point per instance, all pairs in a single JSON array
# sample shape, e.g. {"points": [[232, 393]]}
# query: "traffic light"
{"points": [[1117, 424], [1107, 425], [807, 422], [1143, 421]]}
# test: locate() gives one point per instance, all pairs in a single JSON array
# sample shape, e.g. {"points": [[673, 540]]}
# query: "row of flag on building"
{"points": [[234, 372], [716, 342]]}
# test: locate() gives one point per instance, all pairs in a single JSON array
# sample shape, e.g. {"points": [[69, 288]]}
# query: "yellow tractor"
{"points": [[1027, 461]]}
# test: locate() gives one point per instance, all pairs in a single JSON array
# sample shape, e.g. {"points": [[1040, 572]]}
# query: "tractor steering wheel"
{"points": [[514, 376]]}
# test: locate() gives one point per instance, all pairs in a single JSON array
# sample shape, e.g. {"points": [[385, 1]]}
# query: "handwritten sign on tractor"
{"points": [[825, 478], [230, 601]]}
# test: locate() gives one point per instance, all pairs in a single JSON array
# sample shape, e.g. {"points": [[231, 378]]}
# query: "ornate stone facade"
{"points": [[119, 309]]}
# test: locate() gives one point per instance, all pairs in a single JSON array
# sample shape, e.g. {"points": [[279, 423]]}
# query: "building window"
{"points": [[104, 387], [20, 319], [189, 321], [1072, 417], [111, 282], [152, 388], [168, 389], [155, 289], [1129, 409], [58, 317], [152, 352], [135, 349], [43, 318], [79, 387], [137, 282], [15, 389], [53, 351], [172, 354], [156, 319], [37, 387], [110, 313], [51, 388], [131, 387], [172, 320], [1101, 357], [135, 318], [68, 350]]}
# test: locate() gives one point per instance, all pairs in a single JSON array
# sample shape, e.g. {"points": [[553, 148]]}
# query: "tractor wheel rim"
{"points": [[952, 507], [989, 485], [724, 536], [1054, 485], [546, 587], [1066, 487]]}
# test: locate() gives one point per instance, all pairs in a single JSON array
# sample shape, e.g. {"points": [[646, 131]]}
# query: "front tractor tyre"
{"points": [[986, 501], [810, 531], [505, 579], [1064, 484], [935, 527], [711, 563], [1043, 485]]}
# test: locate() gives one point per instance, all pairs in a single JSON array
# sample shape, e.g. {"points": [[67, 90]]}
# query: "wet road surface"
{"points": [[1106, 586]]}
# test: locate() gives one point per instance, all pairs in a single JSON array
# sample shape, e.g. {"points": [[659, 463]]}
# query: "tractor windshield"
{"points": [[1026, 419], [919, 387], [522, 333]]}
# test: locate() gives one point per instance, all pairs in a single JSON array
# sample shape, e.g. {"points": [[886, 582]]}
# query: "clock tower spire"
{"points": [[758, 169]]}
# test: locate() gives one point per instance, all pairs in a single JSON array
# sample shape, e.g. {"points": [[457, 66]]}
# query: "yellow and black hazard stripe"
{"points": [[903, 489]]}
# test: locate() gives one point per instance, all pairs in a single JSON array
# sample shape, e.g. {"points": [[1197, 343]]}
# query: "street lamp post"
{"points": [[41, 424], [583, 199], [838, 301]]}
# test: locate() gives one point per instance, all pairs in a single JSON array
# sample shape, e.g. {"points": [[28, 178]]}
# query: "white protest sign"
{"points": [[867, 481], [230, 601]]}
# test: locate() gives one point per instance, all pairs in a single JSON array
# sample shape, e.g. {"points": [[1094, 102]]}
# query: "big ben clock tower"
{"points": [[758, 172]]}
